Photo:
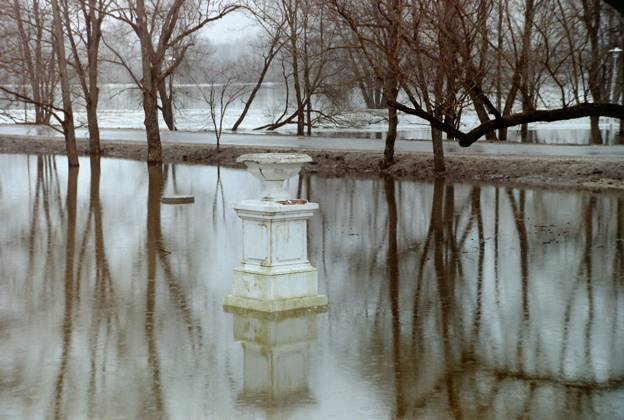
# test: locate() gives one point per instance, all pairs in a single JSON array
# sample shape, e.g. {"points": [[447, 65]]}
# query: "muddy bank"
{"points": [[591, 173]]}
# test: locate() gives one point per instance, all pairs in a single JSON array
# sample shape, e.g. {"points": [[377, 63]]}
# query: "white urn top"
{"points": [[273, 169]]}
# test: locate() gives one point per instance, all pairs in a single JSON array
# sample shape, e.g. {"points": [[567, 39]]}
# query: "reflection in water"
{"points": [[498, 339], [72, 187], [155, 172], [276, 358], [446, 301]]}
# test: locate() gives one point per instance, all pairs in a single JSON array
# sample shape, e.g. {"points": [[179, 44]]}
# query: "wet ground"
{"points": [[446, 301]]}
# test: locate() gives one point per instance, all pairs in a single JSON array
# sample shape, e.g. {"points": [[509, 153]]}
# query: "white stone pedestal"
{"points": [[275, 274]]}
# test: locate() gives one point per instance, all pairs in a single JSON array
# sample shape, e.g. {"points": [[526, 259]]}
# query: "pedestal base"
{"points": [[275, 289], [276, 305], [275, 274]]}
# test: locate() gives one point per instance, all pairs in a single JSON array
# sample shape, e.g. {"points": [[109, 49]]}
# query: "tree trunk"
{"points": [[267, 64], [300, 106], [166, 101], [595, 134], [88, 76], [150, 108], [307, 94], [391, 79], [150, 90], [68, 117], [524, 128], [307, 85], [499, 61], [32, 66], [483, 116], [369, 88], [94, 90], [592, 12], [378, 97], [391, 135], [92, 121], [391, 91], [438, 151], [295, 66]]}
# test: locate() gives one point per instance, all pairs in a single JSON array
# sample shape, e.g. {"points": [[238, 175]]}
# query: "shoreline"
{"points": [[596, 174]]}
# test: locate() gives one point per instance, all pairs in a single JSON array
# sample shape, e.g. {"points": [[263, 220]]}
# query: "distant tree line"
{"points": [[512, 62]]}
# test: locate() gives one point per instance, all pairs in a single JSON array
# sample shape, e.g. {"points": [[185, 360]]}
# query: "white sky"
{"points": [[233, 27]]}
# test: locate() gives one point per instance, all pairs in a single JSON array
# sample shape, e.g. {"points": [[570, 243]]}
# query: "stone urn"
{"points": [[275, 274], [273, 169]]}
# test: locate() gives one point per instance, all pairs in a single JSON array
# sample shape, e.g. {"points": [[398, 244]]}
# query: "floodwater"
{"points": [[445, 301], [120, 107]]}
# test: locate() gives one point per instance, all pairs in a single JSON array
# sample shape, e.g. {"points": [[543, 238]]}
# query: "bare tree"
{"points": [[67, 122], [369, 86], [273, 32], [564, 59], [29, 58], [306, 55], [160, 28], [376, 28], [83, 24], [225, 89], [433, 31]]}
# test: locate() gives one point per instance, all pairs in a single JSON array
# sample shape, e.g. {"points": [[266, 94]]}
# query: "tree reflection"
{"points": [[72, 191], [519, 217], [153, 247], [393, 290], [451, 301], [451, 294], [102, 295]]}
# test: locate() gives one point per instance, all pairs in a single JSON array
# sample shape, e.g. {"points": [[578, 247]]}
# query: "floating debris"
{"points": [[177, 199], [292, 202]]}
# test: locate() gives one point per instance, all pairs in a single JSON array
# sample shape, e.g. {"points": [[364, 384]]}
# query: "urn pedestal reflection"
{"points": [[276, 355]]}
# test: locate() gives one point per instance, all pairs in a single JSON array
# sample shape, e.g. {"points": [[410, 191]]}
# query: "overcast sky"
{"points": [[234, 26]]}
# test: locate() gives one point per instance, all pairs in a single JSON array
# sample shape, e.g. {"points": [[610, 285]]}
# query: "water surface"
{"points": [[446, 301]]}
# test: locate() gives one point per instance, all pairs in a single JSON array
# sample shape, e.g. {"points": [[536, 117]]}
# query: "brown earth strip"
{"points": [[599, 174]]}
